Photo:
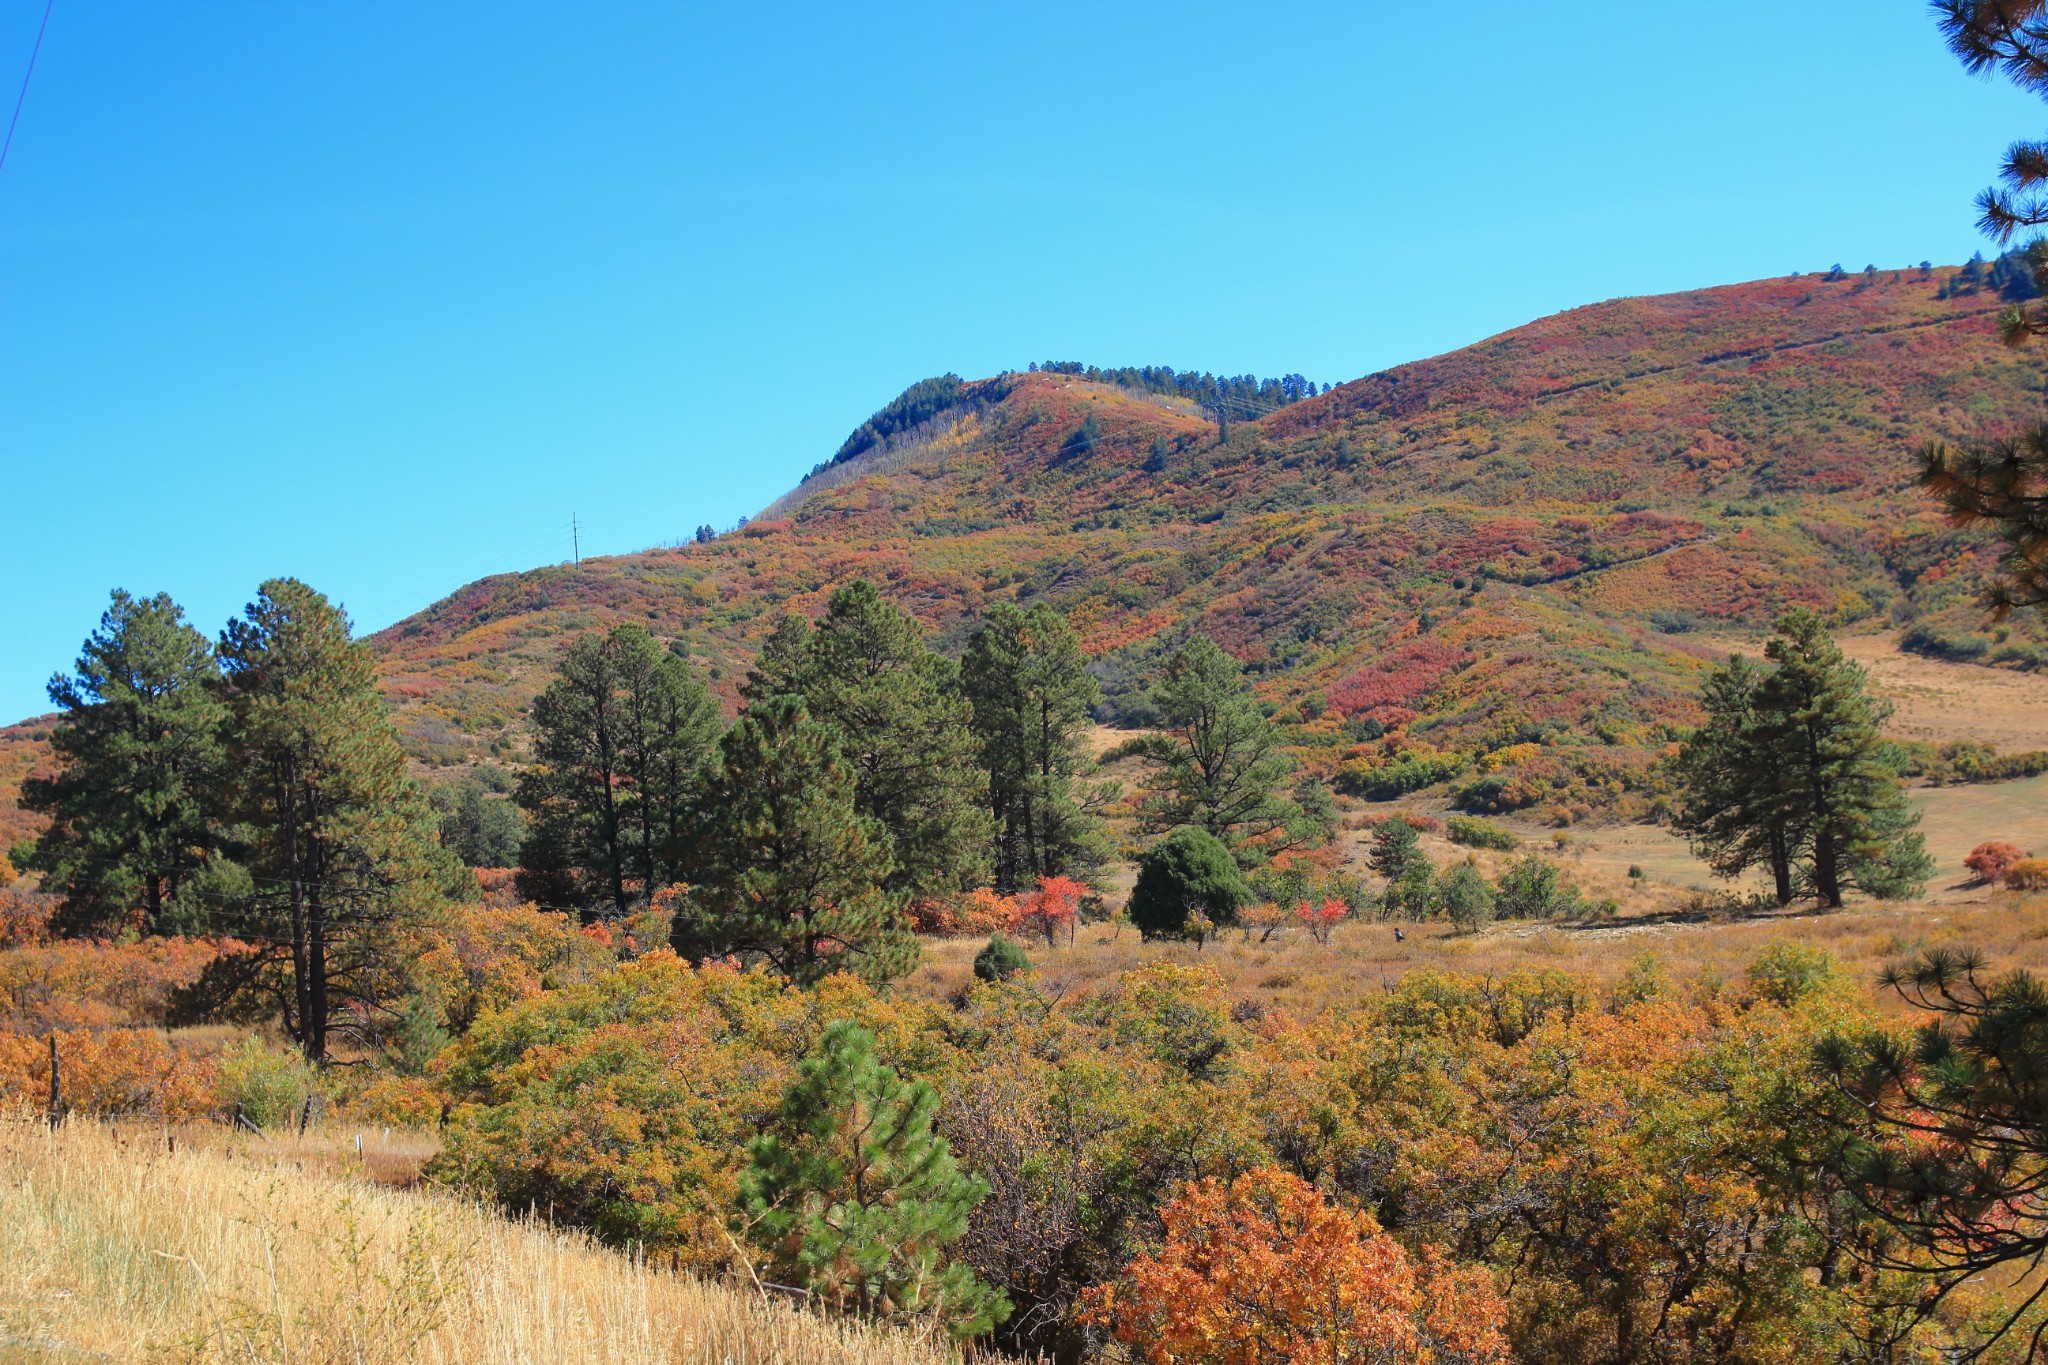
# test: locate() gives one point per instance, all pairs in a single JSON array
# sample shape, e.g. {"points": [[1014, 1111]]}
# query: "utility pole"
{"points": [[575, 540]]}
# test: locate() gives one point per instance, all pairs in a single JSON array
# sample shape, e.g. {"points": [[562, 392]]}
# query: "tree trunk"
{"points": [[1781, 864], [1827, 877]]}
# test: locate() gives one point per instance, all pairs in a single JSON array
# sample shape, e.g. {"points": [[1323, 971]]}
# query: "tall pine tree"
{"points": [[1219, 762], [1791, 774], [784, 867], [1735, 811], [903, 727], [1033, 698], [621, 738], [342, 846], [139, 749]]}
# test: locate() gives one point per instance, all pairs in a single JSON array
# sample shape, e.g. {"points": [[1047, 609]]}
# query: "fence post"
{"points": [[56, 1085]]}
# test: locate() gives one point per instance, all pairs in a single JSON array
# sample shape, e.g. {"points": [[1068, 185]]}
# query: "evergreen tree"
{"points": [[139, 748], [853, 1196], [1032, 698], [480, 828], [341, 844], [1835, 770], [783, 866], [1734, 810], [1220, 762], [1791, 773], [1997, 482], [1395, 845], [1000, 959], [620, 737], [1187, 873], [1415, 893], [903, 727]]}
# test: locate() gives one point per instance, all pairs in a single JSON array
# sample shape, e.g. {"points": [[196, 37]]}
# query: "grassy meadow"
{"points": [[115, 1247]]}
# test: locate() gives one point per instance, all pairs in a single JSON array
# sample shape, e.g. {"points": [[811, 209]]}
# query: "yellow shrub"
{"points": [[2028, 874]]}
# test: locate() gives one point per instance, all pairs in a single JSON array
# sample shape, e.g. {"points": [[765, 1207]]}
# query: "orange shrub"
{"points": [[76, 983], [2028, 874], [1265, 1269], [120, 1071], [24, 917]]}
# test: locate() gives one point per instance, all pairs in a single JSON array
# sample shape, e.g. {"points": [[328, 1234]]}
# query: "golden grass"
{"points": [[112, 1248], [1293, 972]]}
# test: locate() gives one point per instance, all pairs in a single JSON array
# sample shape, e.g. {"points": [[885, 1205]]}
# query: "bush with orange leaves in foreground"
{"points": [[1265, 1270]]}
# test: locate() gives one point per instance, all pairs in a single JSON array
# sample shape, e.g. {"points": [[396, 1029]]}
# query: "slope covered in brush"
{"points": [[1499, 568]]}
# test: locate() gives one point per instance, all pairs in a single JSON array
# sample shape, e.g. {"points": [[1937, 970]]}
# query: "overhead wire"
{"points": [[22, 98]]}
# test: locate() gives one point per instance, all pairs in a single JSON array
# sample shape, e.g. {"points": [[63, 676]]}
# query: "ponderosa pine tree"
{"points": [[1735, 811], [341, 844], [139, 749], [783, 866], [1033, 697], [1219, 762], [1790, 770], [621, 738], [1999, 482], [852, 1195], [903, 727]]}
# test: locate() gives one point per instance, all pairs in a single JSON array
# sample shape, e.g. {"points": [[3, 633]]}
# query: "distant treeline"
{"points": [[1243, 396]]}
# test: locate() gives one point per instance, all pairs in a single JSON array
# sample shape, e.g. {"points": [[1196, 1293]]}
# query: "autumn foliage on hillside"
{"points": [[1478, 548]]}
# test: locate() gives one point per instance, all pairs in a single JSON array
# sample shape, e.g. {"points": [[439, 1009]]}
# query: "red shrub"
{"points": [[1990, 859]]}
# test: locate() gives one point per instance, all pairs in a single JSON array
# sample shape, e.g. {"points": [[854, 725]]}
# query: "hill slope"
{"points": [[1493, 562]]}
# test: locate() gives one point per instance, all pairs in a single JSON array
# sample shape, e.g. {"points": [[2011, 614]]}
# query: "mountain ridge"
{"points": [[1480, 567]]}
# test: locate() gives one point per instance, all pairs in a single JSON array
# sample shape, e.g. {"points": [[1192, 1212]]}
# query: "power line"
{"points": [[23, 96]]}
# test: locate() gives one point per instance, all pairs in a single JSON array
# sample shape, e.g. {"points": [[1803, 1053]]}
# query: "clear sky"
{"points": [[379, 294]]}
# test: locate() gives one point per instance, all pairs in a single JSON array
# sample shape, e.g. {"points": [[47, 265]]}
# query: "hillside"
{"points": [[1502, 565]]}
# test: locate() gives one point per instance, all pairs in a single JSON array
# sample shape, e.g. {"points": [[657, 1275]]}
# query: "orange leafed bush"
{"points": [[24, 917], [83, 984], [1990, 859], [120, 1071], [2028, 874], [1264, 1269], [1052, 910]]}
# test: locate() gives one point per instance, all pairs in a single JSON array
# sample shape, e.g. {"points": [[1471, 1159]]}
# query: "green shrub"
{"points": [[1188, 871], [1473, 832], [270, 1085], [1000, 959], [1785, 973]]}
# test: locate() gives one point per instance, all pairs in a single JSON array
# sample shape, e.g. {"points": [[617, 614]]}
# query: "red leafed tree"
{"points": [[1321, 919], [1053, 909], [1990, 859], [1263, 1270]]}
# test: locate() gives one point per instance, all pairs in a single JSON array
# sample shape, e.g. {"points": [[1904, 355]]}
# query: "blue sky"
{"points": [[380, 294]]}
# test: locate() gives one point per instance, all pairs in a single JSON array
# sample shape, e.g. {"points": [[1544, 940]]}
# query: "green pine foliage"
{"points": [[1033, 698], [140, 750], [620, 740], [478, 824], [1220, 763], [783, 866], [341, 846], [1395, 845], [1000, 959], [1188, 873], [1791, 774], [904, 730], [852, 1196]]}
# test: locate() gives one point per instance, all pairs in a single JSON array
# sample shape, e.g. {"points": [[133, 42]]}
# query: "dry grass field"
{"points": [[113, 1248], [1293, 972]]}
